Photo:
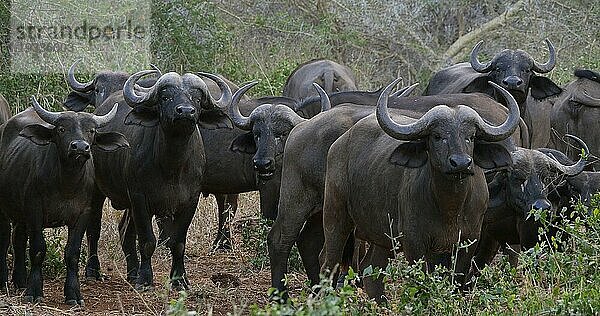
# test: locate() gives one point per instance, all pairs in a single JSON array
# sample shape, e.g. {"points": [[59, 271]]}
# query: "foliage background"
{"points": [[380, 40]]}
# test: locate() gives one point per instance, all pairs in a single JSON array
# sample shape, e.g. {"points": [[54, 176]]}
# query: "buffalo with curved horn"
{"points": [[533, 181], [430, 170], [47, 180], [162, 174], [514, 70]]}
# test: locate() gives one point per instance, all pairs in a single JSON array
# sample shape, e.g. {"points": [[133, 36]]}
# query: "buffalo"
{"points": [[533, 181], [161, 175], [47, 180], [514, 70], [331, 76], [575, 110], [430, 170], [95, 92], [302, 186]]}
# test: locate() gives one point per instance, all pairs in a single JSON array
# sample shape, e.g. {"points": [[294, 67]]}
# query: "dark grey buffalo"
{"points": [[161, 175], [268, 127], [514, 70], [47, 180], [418, 180], [94, 93], [331, 76], [533, 181], [300, 208], [577, 111]]}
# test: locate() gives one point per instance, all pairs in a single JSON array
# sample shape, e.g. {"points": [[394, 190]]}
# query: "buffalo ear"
{"points": [[78, 101], [143, 116], [542, 87], [491, 156], [410, 155], [214, 119], [37, 133], [244, 144], [110, 141], [479, 84]]}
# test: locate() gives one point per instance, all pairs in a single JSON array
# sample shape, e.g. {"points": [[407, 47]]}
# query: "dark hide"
{"points": [[532, 181], [577, 112], [161, 174], [433, 204], [331, 76], [47, 180], [304, 164]]}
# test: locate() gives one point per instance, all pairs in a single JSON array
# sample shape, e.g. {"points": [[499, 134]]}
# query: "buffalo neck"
{"points": [[174, 151], [449, 194], [67, 176]]}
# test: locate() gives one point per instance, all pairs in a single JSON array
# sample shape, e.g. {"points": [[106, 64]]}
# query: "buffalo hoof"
{"points": [[143, 287], [92, 279], [93, 275], [33, 300], [74, 302], [180, 284]]}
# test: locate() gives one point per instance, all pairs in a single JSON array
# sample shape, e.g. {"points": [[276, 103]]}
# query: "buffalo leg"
{"points": [[19, 242], [227, 207], [310, 243], [72, 252], [376, 257], [142, 220], [92, 267], [269, 199], [4, 242], [182, 223], [337, 226], [165, 230], [127, 236], [37, 254], [281, 238]]}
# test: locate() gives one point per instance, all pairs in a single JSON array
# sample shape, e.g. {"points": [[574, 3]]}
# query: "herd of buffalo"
{"points": [[347, 175]]}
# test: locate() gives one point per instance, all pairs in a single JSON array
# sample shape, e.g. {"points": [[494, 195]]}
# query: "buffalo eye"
{"points": [[92, 131], [61, 129], [437, 137], [165, 98]]}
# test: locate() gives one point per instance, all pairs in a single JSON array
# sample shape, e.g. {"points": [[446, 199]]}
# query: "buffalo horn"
{"points": [[240, 121], [578, 167], [497, 133], [76, 85], [549, 65], [102, 120], [46, 116], [225, 99], [478, 66]]}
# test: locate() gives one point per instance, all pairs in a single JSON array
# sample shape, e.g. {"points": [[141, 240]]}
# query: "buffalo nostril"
{"points": [[458, 161], [179, 110], [73, 145], [193, 111], [262, 164], [86, 148]]}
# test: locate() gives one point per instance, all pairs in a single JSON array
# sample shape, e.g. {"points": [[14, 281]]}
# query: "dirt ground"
{"points": [[222, 282]]}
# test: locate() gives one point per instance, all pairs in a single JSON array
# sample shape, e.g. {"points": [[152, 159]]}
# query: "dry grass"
{"points": [[222, 282]]}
